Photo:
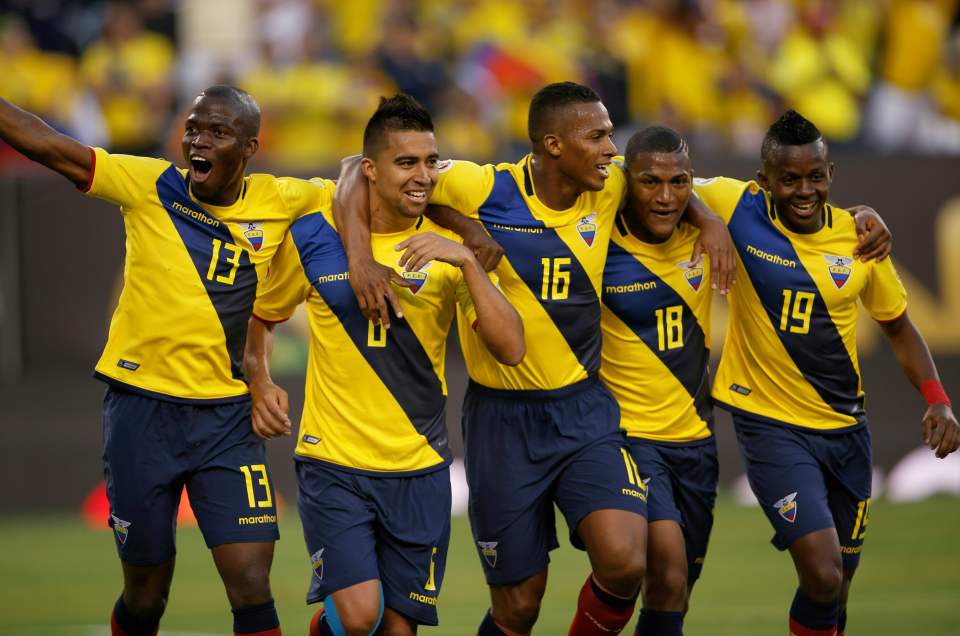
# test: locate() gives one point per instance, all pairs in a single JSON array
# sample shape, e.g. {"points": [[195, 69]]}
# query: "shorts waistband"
{"points": [[587, 383]]}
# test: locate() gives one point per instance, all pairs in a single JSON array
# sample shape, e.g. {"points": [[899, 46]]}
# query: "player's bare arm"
{"points": [[270, 408], [940, 430], [487, 251], [875, 239], [372, 283], [498, 323], [31, 136], [715, 241]]}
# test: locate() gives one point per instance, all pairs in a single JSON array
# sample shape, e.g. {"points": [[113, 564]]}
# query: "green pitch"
{"points": [[59, 578]]}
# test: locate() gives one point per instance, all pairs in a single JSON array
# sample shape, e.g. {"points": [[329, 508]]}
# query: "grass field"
{"points": [[61, 578]]}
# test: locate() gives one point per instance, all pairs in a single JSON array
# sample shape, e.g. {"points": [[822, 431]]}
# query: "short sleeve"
{"points": [[285, 286], [463, 186], [720, 194], [303, 197], [124, 180], [884, 295]]}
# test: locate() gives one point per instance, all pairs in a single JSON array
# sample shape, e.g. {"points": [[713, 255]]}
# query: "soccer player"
{"points": [[177, 409], [789, 372], [372, 453], [656, 332], [546, 431]]}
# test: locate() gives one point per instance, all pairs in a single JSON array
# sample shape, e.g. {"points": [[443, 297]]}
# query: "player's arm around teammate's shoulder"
{"points": [[32, 137], [487, 251], [715, 241], [497, 323], [270, 407], [875, 242], [939, 427]]}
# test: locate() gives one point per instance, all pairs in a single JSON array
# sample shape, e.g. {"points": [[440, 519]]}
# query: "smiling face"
{"points": [[583, 146], [403, 174], [659, 186], [216, 146], [798, 178]]}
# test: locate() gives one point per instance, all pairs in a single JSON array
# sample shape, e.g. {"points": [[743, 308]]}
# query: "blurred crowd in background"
{"points": [[876, 75]]}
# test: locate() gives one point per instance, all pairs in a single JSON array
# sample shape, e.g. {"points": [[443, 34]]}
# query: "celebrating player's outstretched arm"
{"points": [[498, 323], [939, 425], [34, 138]]}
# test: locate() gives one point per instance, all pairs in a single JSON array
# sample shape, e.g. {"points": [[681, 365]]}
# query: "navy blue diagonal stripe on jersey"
{"points": [[820, 355], [526, 241], [638, 310], [402, 365], [197, 229]]}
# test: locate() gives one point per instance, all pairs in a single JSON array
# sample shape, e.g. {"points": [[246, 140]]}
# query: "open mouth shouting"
{"points": [[200, 168]]}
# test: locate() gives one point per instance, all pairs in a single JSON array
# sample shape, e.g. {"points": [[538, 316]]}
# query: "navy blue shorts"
{"points": [[807, 480], [681, 484], [525, 451], [364, 527], [153, 448]]}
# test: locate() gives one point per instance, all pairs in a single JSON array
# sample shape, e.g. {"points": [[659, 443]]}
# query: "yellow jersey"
{"points": [[790, 354], [551, 272], [191, 272], [655, 319], [375, 399]]}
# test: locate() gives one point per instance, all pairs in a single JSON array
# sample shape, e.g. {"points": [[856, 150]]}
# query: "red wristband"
{"points": [[933, 393]]}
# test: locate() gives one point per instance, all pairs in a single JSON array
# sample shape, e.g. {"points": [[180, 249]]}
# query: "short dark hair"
{"points": [[659, 139], [248, 111], [549, 99], [400, 112], [791, 129]]}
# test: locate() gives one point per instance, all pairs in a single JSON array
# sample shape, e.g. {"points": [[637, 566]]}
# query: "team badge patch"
{"points": [[444, 165], [587, 228], [692, 273], [417, 278], [787, 507], [489, 551], [121, 528], [839, 268], [253, 233], [316, 561]]}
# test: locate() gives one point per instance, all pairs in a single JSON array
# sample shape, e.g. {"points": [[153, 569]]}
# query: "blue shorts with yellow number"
{"points": [[681, 480], [807, 480], [153, 448], [362, 527], [525, 451]]}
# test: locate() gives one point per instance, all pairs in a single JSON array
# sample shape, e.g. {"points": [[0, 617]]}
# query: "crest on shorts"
{"points": [[839, 268], [587, 228], [316, 561], [692, 273], [417, 278], [253, 232], [787, 507], [120, 528], [488, 549]]}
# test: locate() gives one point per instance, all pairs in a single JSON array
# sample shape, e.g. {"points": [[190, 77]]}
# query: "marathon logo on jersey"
{"points": [[488, 549], [120, 528], [418, 279], [316, 562], [839, 268], [587, 228], [692, 273], [787, 507], [128, 365], [253, 233], [310, 439], [742, 390]]}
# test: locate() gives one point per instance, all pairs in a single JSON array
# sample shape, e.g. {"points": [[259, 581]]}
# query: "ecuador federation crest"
{"points": [[787, 507], [488, 549], [587, 228], [253, 232], [839, 268], [316, 561], [417, 278], [121, 528], [692, 273]]}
